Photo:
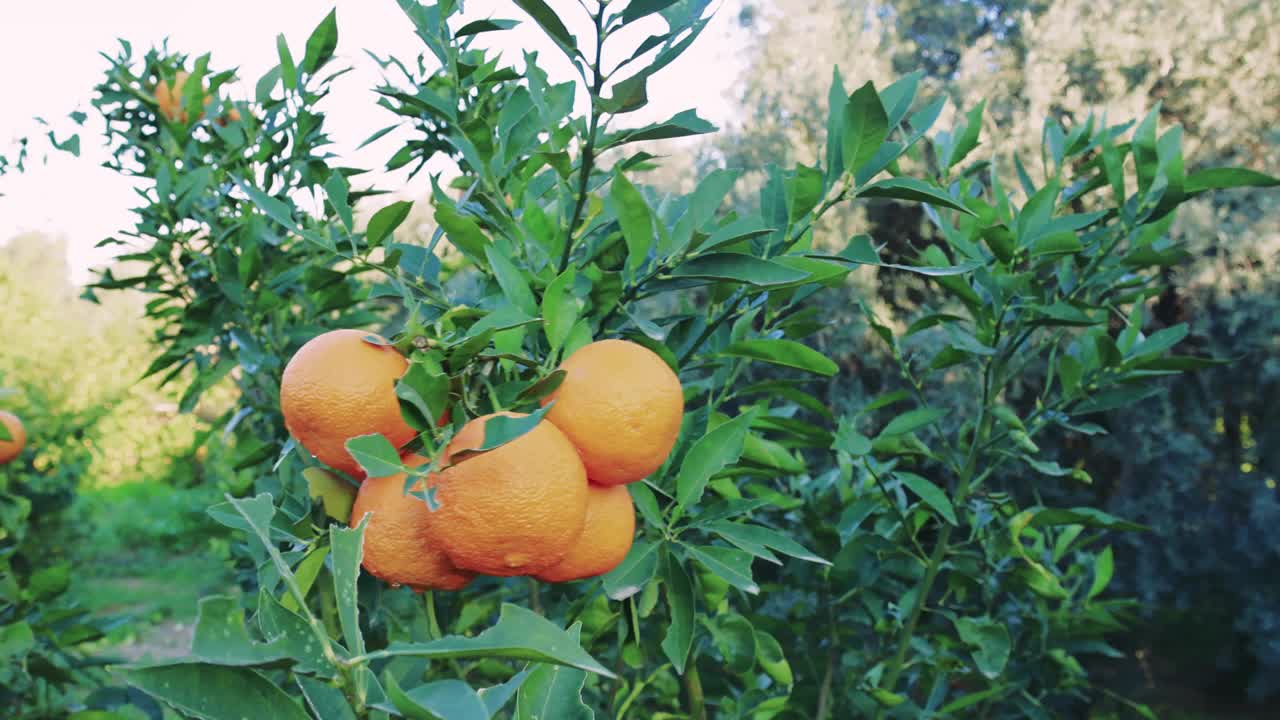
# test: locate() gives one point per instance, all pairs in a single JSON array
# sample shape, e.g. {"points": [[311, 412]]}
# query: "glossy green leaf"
{"points": [[325, 700], [932, 495], [321, 44], [763, 536], [376, 455], [560, 309], [787, 353], [990, 643], [214, 692], [730, 564], [679, 591], [905, 188], [708, 456], [553, 692], [912, 420], [346, 555], [635, 570], [385, 221], [1103, 568], [738, 267], [635, 219], [520, 634], [865, 126], [438, 700], [513, 282]]}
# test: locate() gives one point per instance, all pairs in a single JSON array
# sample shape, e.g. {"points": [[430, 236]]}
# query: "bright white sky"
{"points": [[52, 61]]}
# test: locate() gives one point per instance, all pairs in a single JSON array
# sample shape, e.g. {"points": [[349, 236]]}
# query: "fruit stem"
{"points": [[535, 596], [693, 686], [433, 624]]}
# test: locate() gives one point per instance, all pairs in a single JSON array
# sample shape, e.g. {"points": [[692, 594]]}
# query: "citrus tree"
{"points": [[572, 349]]}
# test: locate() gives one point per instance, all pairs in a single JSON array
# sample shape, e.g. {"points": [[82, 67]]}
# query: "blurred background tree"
{"points": [[1199, 463]]}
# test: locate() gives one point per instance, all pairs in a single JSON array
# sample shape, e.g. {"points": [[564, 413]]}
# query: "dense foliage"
{"points": [[910, 529]]}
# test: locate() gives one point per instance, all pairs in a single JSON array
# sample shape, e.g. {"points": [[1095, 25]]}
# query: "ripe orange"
{"points": [[397, 545], [621, 406], [10, 449], [169, 97], [515, 510], [337, 387], [605, 540]]}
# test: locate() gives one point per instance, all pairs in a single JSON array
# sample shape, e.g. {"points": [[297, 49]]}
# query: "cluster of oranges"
{"points": [[551, 504], [10, 449], [169, 101]]}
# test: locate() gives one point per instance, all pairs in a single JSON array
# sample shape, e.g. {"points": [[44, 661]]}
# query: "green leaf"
{"points": [[708, 456], [865, 127], [861, 251], [679, 636], [898, 96], [439, 700], [1038, 516], [1143, 147], [738, 267], [385, 221], [736, 231], [346, 556], [16, 639], [1157, 343], [635, 219], [736, 640], [905, 188], [971, 699], [767, 537], [497, 696], [502, 429], [336, 188], [682, 124], [560, 309], [637, 9], [288, 71], [552, 692], [426, 390], [482, 26], [1103, 568], [321, 44], [221, 637], [804, 191], [325, 700], [551, 24], [1058, 243], [634, 572], [214, 692], [520, 634], [376, 455], [730, 564], [772, 660], [787, 353], [836, 102], [990, 640], [462, 231], [1227, 177], [932, 495], [911, 421], [967, 139], [513, 283]]}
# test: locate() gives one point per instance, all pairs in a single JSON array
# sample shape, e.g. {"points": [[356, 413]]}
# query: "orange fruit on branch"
{"points": [[397, 545], [169, 96], [338, 387], [514, 510], [606, 536], [10, 449], [621, 406]]}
